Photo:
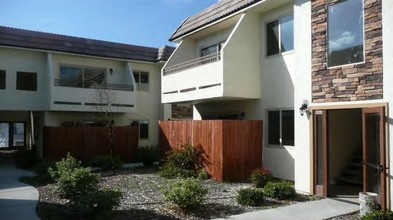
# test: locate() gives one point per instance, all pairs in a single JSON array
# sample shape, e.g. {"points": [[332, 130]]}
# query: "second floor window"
{"points": [[26, 81], [81, 77], [345, 33], [216, 48], [141, 80], [2, 79], [279, 36]]}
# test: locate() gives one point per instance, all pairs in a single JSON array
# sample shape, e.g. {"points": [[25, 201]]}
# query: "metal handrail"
{"points": [[193, 63], [92, 85]]}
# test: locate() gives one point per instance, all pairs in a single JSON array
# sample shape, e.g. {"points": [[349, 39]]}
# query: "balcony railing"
{"points": [[92, 85], [192, 63]]}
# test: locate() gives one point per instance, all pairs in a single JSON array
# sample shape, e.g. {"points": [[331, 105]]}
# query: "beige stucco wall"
{"points": [[14, 60]]}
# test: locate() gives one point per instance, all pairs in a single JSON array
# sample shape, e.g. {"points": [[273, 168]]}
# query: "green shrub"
{"points": [[76, 183], [183, 162], [203, 175], [378, 215], [185, 193], [73, 180], [105, 162], [26, 159], [260, 177], [64, 166], [280, 190], [171, 171], [103, 199], [250, 197], [147, 155]]}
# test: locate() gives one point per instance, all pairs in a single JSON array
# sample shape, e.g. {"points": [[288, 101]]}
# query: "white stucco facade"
{"points": [[284, 83], [53, 105]]}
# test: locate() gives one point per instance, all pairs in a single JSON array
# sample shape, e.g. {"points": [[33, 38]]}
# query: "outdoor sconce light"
{"points": [[303, 108], [111, 71]]}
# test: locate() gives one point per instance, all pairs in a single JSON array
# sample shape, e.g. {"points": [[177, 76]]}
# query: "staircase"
{"points": [[353, 173]]}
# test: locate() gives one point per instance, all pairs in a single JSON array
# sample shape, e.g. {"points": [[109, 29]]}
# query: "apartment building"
{"points": [[316, 72], [55, 80]]}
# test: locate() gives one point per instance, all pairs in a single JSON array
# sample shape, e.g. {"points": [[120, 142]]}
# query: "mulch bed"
{"points": [[142, 199]]}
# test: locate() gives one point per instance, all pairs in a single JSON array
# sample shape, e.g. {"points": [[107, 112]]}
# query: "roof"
{"points": [[55, 42], [221, 9]]}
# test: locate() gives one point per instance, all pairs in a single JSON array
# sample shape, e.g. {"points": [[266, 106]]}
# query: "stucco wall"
{"points": [[14, 60]]}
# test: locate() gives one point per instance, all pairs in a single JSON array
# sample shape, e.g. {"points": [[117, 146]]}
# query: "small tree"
{"points": [[103, 104]]}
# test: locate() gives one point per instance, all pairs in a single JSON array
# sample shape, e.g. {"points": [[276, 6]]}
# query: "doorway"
{"points": [[12, 134], [349, 152]]}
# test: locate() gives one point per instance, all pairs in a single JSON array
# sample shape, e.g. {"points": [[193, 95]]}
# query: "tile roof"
{"points": [[221, 9], [54, 42]]}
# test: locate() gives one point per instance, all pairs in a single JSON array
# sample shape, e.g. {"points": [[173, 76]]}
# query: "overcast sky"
{"points": [[140, 22]]}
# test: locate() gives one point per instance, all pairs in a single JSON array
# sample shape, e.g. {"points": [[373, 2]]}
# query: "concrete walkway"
{"points": [[315, 210], [17, 200]]}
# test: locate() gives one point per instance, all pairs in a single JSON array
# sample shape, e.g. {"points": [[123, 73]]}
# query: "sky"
{"points": [[138, 22]]}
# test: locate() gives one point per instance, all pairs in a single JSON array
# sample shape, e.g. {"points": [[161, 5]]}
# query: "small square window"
{"points": [[143, 129], [274, 127], [26, 81], [2, 79], [142, 81]]}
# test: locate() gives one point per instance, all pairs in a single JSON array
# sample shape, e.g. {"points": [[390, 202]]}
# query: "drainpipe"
{"points": [[32, 141]]}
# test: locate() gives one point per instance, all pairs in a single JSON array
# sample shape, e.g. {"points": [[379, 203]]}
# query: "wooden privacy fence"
{"points": [[85, 142], [231, 148]]}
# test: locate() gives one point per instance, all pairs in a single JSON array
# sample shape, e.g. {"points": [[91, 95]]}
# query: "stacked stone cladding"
{"points": [[353, 82]]}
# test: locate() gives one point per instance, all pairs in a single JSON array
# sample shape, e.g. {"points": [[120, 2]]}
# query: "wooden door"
{"points": [[374, 153], [320, 153]]}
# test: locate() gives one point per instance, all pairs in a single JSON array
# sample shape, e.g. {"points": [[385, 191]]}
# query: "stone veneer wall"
{"points": [[181, 111], [350, 82]]}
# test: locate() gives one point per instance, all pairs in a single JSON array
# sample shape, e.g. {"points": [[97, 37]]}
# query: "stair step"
{"points": [[353, 172], [350, 181]]}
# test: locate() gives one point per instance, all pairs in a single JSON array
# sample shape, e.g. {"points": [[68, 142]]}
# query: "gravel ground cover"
{"points": [[354, 216], [142, 199]]}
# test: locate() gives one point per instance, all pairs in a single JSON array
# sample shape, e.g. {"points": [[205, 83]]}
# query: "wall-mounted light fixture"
{"points": [[111, 71], [304, 108]]}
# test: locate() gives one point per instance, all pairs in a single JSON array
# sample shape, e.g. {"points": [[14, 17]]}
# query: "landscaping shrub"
{"points": [[73, 180], [42, 171], [260, 177], [183, 162], [101, 203], [64, 166], [147, 155], [185, 193], [26, 159], [250, 197], [280, 190], [105, 162], [378, 215], [203, 175]]}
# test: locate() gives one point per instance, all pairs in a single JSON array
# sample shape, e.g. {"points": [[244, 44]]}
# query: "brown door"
{"points": [[374, 164], [320, 153]]}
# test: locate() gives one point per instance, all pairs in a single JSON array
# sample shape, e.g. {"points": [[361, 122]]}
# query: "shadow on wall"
{"points": [[280, 161]]}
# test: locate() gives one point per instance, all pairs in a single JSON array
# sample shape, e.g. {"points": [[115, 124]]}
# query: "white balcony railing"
{"points": [[90, 85], [192, 63]]}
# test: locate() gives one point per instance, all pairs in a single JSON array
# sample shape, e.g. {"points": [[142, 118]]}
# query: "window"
{"points": [[81, 77], [141, 80], [345, 33], [26, 81], [216, 48], [2, 79], [143, 129], [281, 127], [279, 35]]}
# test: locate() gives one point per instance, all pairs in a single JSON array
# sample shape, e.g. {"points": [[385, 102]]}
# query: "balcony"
{"points": [[195, 79], [192, 63], [88, 96], [233, 73]]}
